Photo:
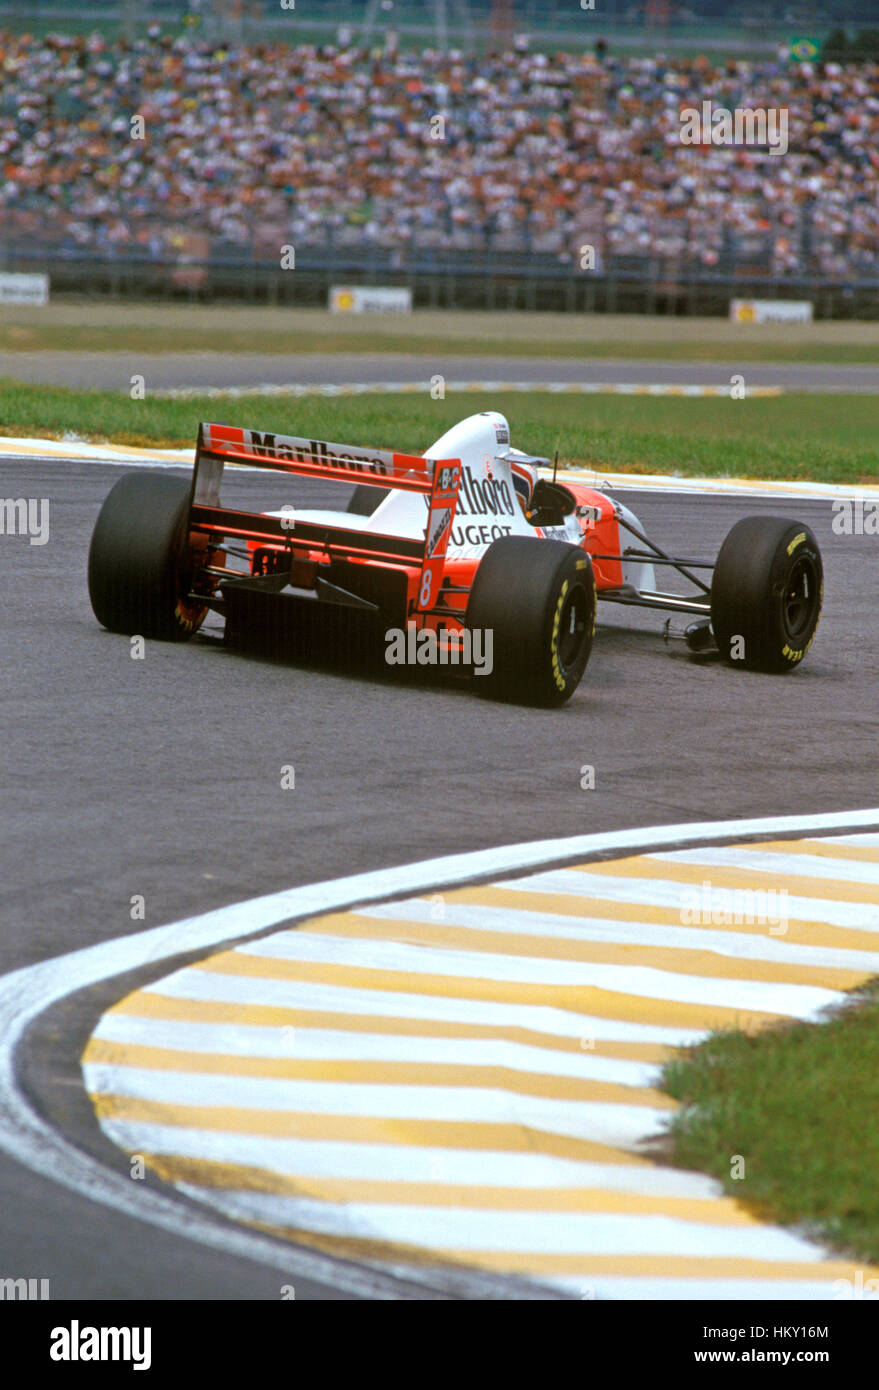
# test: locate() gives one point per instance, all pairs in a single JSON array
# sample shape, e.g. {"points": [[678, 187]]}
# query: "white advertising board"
{"points": [[770, 311], [369, 299], [23, 289]]}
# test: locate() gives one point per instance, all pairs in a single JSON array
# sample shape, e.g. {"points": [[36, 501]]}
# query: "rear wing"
{"points": [[437, 479]]}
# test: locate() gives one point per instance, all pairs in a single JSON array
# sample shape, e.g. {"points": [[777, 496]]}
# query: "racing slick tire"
{"points": [[766, 593], [140, 560], [538, 599], [365, 498]]}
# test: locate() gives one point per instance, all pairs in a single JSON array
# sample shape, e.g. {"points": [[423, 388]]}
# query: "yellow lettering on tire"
{"points": [[556, 624], [188, 616]]}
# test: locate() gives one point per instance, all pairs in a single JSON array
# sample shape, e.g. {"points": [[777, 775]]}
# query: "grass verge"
{"points": [[821, 438], [150, 327], [800, 1105]]}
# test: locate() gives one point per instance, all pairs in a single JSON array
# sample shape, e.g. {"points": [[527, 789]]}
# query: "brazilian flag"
{"points": [[804, 50]]}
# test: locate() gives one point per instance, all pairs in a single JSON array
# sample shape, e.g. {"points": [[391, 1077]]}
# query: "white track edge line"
{"points": [[29, 991], [802, 490]]}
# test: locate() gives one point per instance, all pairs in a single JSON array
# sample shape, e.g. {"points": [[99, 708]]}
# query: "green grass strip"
{"points": [[688, 346], [800, 1104], [820, 438]]}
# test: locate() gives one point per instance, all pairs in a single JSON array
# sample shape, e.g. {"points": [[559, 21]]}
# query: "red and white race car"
{"points": [[460, 554]]}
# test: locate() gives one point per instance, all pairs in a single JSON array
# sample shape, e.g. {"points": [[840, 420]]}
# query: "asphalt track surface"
{"points": [[161, 777], [173, 371]]}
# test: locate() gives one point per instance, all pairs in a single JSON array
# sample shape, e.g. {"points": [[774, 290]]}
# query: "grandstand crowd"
{"points": [[253, 148]]}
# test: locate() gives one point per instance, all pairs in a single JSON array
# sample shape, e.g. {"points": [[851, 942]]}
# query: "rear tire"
{"points": [[538, 599], [766, 593], [140, 560]]}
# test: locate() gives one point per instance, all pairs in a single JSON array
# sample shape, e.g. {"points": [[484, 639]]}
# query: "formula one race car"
{"points": [[465, 555]]}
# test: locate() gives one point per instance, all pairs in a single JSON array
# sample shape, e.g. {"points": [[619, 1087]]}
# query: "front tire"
{"points": [[766, 593], [538, 600], [140, 560]]}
